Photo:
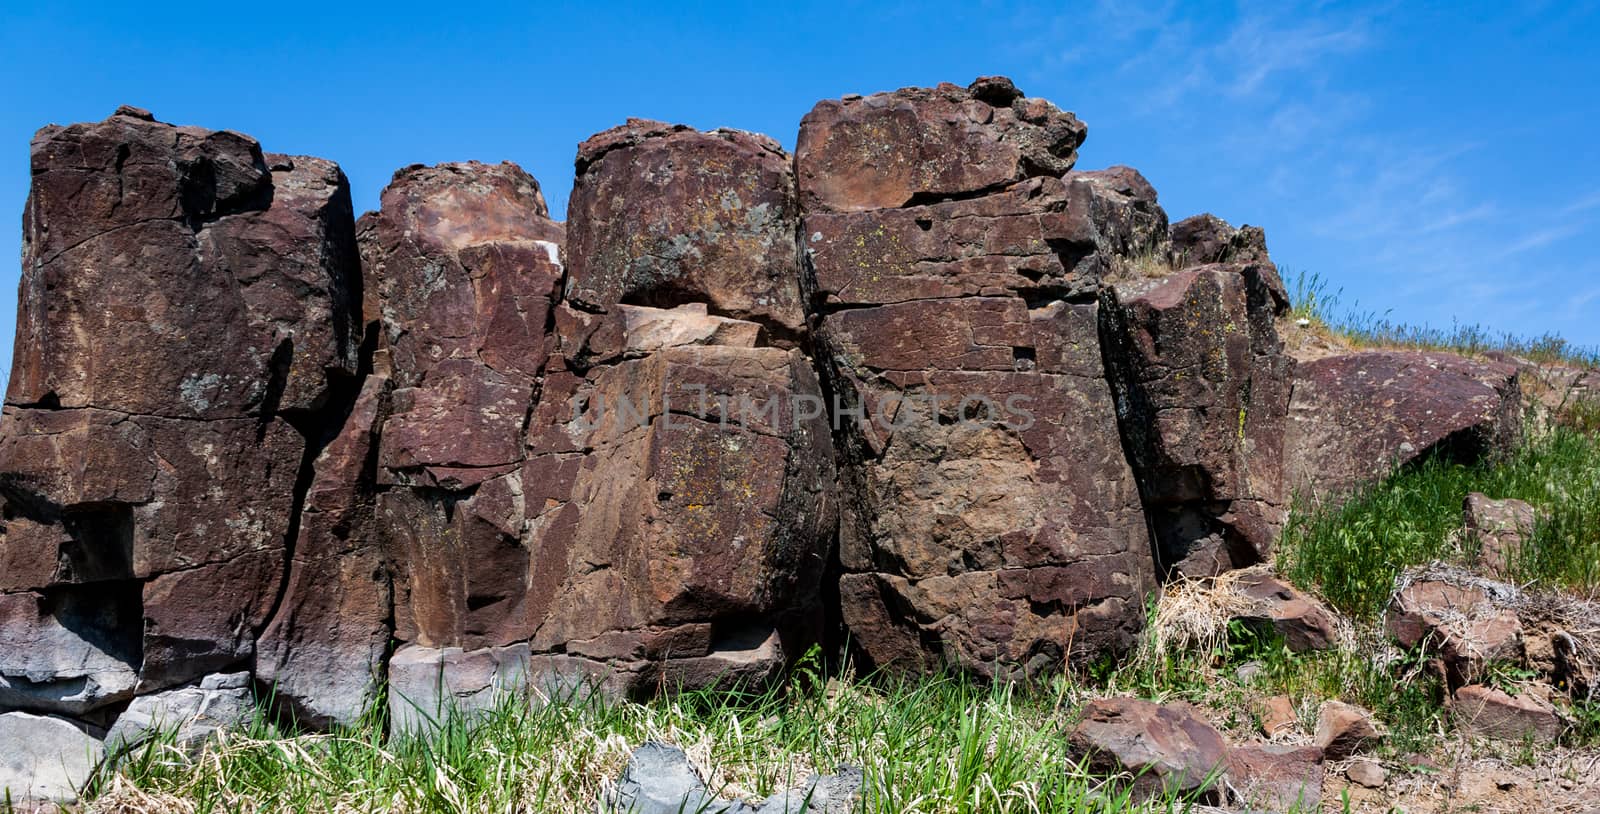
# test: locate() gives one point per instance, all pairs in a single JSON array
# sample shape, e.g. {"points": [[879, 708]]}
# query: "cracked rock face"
{"points": [[1202, 383], [925, 383], [188, 321], [637, 498], [991, 520]]}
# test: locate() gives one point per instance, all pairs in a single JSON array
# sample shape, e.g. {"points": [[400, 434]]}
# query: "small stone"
{"points": [[660, 779], [1344, 729], [1366, 773], [1492, 713], [1278, 716], [1500, 527], [135, 112], [191, 714], [1248, 672]]}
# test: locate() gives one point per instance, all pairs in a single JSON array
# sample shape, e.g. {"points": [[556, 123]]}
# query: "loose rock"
{"points": [[1492, 713], [1164, 748], [1277, 777], [1344, 729]]}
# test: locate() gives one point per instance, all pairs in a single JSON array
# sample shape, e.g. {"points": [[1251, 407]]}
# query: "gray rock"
{"points": [[51, 661], [1366, 773], [44, 758], [192, 714], [661, 780], [428, 685], [822, 794]]}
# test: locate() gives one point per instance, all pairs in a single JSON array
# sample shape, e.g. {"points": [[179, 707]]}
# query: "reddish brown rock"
{"points": [[1304, 623], [1462, 623], [957, 333], [463, 262], [188, 329], [1164, 748], [1500, 527], [650, 505], [1276, 777], [1344, 729], [890, 150], [1204, 239], [1202, 390], [1354, 418], [1278, 716], [1120, 205], [670, 215], [692, 492], [1492, 713], [322, 653]]}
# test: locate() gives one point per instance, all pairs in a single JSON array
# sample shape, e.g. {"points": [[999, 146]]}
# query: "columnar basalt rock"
{"points": [[1202, 384], [672, 215], [991, 520], [322, 652], [681, 474], [925, 384], [640, 497], [187, 332]]}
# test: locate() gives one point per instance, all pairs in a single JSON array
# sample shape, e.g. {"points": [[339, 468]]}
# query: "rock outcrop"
{"points": [[1202, 383], [924, 387]]}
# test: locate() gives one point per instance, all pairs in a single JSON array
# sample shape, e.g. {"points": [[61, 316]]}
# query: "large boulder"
{"points": [[991, 520], [1166, 749], [1354, 417], [186, 340], [1202, 383]]}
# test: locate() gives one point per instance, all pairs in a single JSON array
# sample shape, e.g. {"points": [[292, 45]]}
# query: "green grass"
{"points": [[1312, 299], [1352, 553], [940, 745]]}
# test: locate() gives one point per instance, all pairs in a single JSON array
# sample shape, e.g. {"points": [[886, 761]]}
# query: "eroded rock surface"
{"points": [[926, 385], [187, 331], [44, 758], [1202, 383]]}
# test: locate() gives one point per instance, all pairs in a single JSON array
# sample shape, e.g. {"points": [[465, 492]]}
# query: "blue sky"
{"points": [[1436, 161]]}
